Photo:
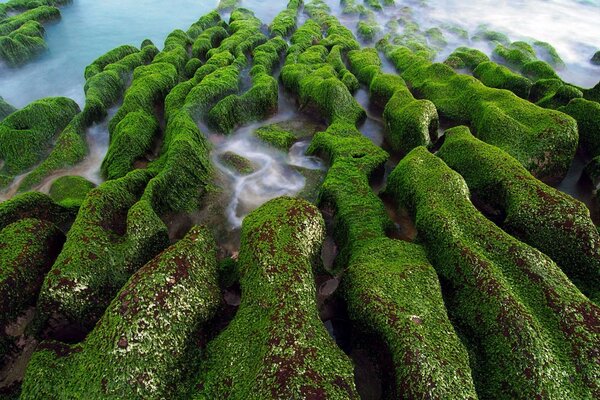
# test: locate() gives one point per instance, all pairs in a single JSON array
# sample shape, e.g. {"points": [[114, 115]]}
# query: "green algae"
{"points": [[113, 235], [531, 329], [35, 205], [276, 136], [465, 57], [102, 90], [284, 23], [237, 163], [27, 134], [276, 346], [144, 343], [543, 140], [70, 191], [498, 76]]}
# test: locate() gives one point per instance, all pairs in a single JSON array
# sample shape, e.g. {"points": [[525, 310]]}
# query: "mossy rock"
{"points": [[113, 235], [276, 136], [500, 77], [276, 346], [70, 191], [144, 344], [237, 163], [543, 140], [28, 249], [587, 115], [35, 205], [530, 329], [26, 135], [545, 218], [465, 57]]}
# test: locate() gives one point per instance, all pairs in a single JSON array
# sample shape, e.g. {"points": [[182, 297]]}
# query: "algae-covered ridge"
{"points": [[461, 270]]}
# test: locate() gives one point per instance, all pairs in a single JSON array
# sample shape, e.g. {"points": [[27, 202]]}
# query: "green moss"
{"points": [[553, 93], [500, 77], [28, 248], [383, 87], [109, 57], [392, 290], [112, 236], [276, 346], [530, 327], [587, 115], [522, 56], [483, 33], [22, 44], [365, 64], [367, 30], [549, 54], [237, 163], [207, 40], [284, 23], [132, 138], [70, 190], [465, 57], [436, 38], [5, 109], [204, 22], [35, 205], [343, 140], [144, 344], [39, 14], [26, 135], [540, 215], [135, 126], [374, 4], [276, 136], [225, 5], [102, 89], [544, 141]]}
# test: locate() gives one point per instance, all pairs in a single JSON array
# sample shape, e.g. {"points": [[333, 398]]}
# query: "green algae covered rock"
{"points": [[70, 191], [543, 140], [144, 344], [35, 205], [284, 23], [539, 215], [27, 134], [409, 122], [28, 249], [5, 109], [500, 77], [391, 289], [237, 163], [276, 346], [587, 115], [530, 330], [103, 89], [465, 57], [276, 136], [113, 235]]}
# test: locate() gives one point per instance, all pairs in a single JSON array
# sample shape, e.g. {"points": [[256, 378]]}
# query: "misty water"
{"points": [[90, 28]]}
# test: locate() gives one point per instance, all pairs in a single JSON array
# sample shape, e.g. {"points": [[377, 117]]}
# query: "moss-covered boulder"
{"points": [[409, 122], [587, 115], [276, 136], [34, 205], [543, 140], [276, 346], [500, 77], [539, 215], [144, 345], [466, 57], [27, 135], [70, 191], [103, 88], [28, 249], [284, 23], [530, 331], [113, 235], [237, 163]]}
